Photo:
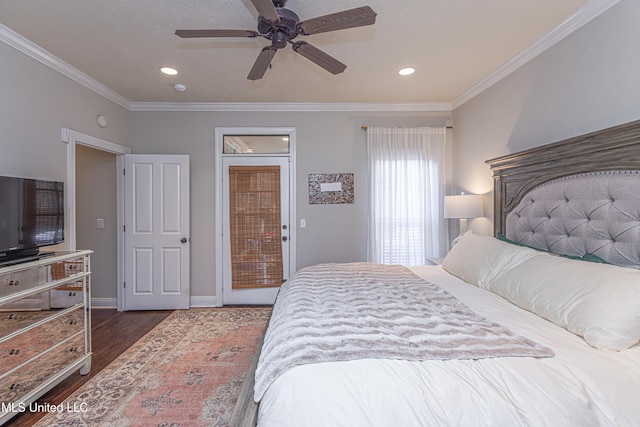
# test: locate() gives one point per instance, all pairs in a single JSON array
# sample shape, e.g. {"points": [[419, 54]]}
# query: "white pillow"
{"points": [[477, 259], [599, 302]]}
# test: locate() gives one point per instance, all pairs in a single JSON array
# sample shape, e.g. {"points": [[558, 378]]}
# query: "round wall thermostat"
{"points": [[102, 121]]}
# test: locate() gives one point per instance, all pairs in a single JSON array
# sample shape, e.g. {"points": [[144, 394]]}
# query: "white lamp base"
{"points": [[463, 229]]}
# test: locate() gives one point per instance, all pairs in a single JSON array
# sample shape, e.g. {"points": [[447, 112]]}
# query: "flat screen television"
{"points": [[31, 216]]}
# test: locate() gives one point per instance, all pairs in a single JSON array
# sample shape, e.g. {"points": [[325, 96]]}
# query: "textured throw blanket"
{"points": [[338, 312]]}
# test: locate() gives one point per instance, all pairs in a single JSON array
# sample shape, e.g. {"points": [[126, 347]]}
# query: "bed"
{"points": [[553, 340]]}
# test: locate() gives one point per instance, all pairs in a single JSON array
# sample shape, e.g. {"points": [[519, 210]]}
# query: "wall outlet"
{"points": [[303, 223]]}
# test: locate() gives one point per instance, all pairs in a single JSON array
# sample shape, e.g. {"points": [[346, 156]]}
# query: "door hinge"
{"points": [[124, 284], [124, 171], [124, 228]]}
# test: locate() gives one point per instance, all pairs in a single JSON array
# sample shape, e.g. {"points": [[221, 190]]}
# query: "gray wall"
{"points": [[326, 142], [96, 197], [37, 103], [588, 81]]}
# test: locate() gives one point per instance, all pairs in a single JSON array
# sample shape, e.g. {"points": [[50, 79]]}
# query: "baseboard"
{"points": [[104, 303], [196, 302], [204, 302]]}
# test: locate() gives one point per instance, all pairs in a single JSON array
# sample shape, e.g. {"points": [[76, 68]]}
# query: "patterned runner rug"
{"points": [[187, 371]]}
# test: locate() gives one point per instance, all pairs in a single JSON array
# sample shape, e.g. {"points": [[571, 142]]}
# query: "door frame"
{"points": [[71, 138], [220, 132]]}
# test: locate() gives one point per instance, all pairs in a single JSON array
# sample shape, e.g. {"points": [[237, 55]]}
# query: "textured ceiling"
{"points": [[453, 44]]}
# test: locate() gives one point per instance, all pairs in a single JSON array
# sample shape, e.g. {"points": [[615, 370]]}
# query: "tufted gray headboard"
{"points": [[595, 213], [575, 197]]}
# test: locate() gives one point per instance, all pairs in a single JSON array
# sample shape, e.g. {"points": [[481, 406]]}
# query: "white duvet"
{"points": [[580, 386]]}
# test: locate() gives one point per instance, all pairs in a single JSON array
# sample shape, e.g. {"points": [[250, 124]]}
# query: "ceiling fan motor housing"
{"points": [[279, 33]]}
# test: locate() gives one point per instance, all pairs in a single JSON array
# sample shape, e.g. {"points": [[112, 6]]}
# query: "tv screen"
{"points": [[31, 215]]}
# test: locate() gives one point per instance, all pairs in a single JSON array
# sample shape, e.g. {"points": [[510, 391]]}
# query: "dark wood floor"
{"points": [[112, 333]]}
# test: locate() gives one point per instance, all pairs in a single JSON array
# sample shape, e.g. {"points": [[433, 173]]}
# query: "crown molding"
{"points": [[584, 15], [45, 57], [287, 106]]}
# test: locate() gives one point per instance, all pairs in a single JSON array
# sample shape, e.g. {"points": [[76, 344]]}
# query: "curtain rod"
{"points": [[365, 127]]}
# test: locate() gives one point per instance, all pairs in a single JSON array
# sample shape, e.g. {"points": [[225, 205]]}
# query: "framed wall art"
{"points": [[330, 188]]}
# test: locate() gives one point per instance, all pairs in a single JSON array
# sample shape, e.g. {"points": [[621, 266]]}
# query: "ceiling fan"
{"points": [[281, 26]]}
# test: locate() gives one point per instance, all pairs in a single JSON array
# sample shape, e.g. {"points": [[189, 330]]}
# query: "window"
{"points": [[406, 189], [256, 144]]}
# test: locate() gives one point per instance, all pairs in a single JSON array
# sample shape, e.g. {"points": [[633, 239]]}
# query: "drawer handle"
{"points": [[15, 351], [73, 321], [13, 317], [14, 282], [73, 349], [14, 386]]}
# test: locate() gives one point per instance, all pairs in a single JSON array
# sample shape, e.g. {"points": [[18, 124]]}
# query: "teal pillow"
{"points": [[593, 258]]}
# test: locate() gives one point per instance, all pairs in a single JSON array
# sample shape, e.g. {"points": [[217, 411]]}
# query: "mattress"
{"points": [[580, 386]]}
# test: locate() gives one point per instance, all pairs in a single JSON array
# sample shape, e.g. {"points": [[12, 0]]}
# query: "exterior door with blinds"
{"points": [[256, 228]]}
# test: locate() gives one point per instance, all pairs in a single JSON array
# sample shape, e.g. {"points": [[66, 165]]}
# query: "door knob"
{"points": [[284, 238], [183, 240]]}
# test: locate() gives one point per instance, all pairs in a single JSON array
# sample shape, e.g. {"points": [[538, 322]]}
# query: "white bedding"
{"points": [[580, 386]]}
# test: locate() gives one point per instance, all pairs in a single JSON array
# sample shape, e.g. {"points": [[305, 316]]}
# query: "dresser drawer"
{"points": [[17, 384], [68, 268], [14, 320], [33, 308], [66, 297], [23, 280], [32, 342]]}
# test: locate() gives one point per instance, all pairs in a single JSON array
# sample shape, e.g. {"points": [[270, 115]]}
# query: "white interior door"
{"points": [[256, 228], [157, 256]]}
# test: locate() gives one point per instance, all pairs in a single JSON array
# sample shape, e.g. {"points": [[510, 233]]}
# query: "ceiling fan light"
{"points": [[279, 40], [406, 71], [168, 71]]}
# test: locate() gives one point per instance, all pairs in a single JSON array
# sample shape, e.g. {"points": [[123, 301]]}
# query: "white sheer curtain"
{"points": [[406, 193]]}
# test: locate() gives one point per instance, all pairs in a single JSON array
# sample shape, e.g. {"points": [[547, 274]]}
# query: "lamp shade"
{"points": [[463, 206]]}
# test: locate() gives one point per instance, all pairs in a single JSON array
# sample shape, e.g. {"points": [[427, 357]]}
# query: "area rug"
{"points": [[187, 371]]}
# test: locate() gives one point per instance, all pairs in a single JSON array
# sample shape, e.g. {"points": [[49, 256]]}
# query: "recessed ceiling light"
{"points": [[169, 71], [406, 71]]}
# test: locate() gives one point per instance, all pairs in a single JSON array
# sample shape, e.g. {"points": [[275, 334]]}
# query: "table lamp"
{"points": [[463, 207]]}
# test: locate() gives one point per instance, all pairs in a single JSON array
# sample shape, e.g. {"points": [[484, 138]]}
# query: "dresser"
{"points": [[42, 343]]}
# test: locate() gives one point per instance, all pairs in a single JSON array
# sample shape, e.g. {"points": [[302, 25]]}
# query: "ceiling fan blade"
{"points": [[262, 63], [351, 18], [266, 9], [215, 33], [317, 56]]}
